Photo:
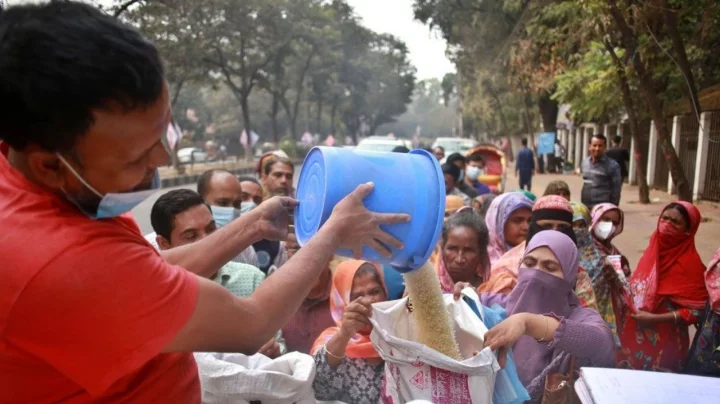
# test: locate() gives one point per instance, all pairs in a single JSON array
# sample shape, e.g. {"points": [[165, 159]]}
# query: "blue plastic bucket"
{"points": [[410, 183]]}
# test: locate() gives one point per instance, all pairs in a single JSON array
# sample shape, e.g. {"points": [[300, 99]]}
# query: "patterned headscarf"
{"points": [[590, 259], [360, 345], [712, 281], [500, 210]]}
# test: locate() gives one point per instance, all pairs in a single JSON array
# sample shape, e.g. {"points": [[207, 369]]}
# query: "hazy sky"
{"points": [[427, 50]]}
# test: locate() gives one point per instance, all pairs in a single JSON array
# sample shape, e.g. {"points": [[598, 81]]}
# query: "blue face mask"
{"points": [[112, 204], [224, 215], [246, 207], [462, 176]]}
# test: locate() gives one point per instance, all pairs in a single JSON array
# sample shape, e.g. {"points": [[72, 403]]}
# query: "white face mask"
{"points": [[603, 230], [472, 172]]}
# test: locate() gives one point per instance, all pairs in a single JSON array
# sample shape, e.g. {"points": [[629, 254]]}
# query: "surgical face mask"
{"points": [[462, 176], [473, 172], [247, 206], [224, 214], [112, 204], [603, 230]]}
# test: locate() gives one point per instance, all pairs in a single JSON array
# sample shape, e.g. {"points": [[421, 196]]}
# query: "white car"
{"points": [[454, 145], [382, 144], [188, 155]]}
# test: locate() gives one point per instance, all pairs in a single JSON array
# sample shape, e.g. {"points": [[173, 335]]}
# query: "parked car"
{"points": [[187, 155], [382, 144], [454, 145]]}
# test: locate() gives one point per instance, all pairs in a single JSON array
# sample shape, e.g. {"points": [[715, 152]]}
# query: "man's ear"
{"points": [[163, 243], [45, 167]]}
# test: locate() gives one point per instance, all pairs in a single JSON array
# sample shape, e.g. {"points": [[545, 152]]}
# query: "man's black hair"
{"points": [[247, 178], [203, 185], [171, 204], [476, 157], [617, 139], [524, 141], [401, 149], [452, 170], [61, 60], [281, 160], [455, 157], [599, 136], [439, 147]]}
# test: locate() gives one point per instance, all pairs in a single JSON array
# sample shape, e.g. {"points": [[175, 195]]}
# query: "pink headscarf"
{"points": [[500, 210], [606, 247], [712, 281]]}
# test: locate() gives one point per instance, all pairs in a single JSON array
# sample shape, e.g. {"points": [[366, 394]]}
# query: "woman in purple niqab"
{"points": [[546, 324]]}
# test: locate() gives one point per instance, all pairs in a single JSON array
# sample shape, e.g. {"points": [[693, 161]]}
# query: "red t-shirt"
{"points": [[86, 306]]}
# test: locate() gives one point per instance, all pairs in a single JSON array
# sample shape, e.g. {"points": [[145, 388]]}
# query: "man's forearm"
{"points": [[222, 322], [206, 257]]}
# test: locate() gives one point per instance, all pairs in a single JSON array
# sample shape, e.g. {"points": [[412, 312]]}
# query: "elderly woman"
{"points": [[348, 367], [463, 249], [668, 294], [546, 326], [550, 212], [507, 220]]}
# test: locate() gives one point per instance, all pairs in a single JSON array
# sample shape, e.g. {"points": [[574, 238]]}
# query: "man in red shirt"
{"points": [[89, 311]]}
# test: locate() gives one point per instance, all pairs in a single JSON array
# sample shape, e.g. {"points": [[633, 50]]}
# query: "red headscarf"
{"points": [[671, 268]]}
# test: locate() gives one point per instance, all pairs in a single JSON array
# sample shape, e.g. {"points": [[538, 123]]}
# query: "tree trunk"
{"points": [[498, 106], [682, 59], [176, 95], [273, 118], [318, 117], [246, 122], [643, 189], [548, 111], [333, 117], [647, 88]]}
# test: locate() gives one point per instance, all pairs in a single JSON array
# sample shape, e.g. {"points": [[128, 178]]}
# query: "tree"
{"points": [[648, 88]]}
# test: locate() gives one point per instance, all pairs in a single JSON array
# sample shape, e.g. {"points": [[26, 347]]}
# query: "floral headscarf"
{"points": [[590, 258], [500, 210], [360, 345]]}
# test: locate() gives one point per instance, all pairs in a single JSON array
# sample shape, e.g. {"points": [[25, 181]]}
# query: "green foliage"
{"points": [[590, 86], [289, 65]]}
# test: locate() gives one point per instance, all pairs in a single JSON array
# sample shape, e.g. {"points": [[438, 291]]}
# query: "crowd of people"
{"points": [[92, 310]]}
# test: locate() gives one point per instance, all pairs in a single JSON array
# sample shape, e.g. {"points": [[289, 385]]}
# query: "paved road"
{"points": [[142, 211]]}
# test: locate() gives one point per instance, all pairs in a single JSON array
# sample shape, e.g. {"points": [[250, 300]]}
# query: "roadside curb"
{"points": [[179, 180], [193, 178]]}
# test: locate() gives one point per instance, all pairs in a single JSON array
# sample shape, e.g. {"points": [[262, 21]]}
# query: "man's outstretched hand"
{"points": [[356, 226]]}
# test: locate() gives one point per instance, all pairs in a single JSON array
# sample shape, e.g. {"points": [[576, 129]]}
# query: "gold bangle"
{"points": [[547, 325], [331, 354]]}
